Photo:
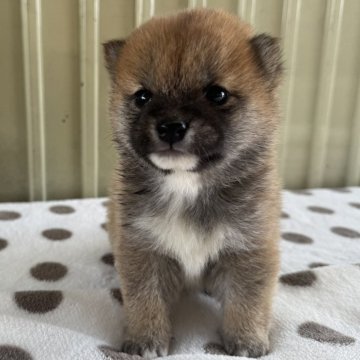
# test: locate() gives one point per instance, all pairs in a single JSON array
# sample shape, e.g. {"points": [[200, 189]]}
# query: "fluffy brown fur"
{"points": [[207, 213]]}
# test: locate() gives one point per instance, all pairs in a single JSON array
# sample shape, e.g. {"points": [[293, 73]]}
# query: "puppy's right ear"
{"points": [[112, 51]]}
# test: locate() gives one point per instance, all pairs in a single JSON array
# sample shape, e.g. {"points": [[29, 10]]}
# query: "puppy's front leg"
{"points": [[150, 283], [245, 283]]}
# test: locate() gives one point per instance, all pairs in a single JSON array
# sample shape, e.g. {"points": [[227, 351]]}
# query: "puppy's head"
{"points": [[192, 90]]}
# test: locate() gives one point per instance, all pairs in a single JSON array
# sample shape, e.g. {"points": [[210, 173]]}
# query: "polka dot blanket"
{"points": [[60, 296]]}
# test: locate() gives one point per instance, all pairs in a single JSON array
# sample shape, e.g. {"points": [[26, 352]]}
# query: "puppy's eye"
{"points": [[142, 97], [216, 94]]}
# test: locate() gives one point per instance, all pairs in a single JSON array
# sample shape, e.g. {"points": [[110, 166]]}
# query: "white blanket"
{"points": [[59, 296]]}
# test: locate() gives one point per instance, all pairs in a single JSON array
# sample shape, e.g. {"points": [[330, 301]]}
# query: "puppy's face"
{"points": [[193, 90]]}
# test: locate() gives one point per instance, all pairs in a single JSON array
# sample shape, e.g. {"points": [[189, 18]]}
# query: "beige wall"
{"points": [[54, 131]]}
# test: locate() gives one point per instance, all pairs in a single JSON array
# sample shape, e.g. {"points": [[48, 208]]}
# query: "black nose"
{"points": [[172, 132]]}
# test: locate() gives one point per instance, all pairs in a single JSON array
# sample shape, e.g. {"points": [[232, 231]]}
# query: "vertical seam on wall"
{"points": [[96, 96], [41, 92], [290, 35], [192, 4], [144, 10], [252, 12], [139, 10], [325, 94], [89, 69], [353, 166], [34, 95], [241, 8], [26, 64], [152, 8], [247, 10], [83, 87], [196, 3]]}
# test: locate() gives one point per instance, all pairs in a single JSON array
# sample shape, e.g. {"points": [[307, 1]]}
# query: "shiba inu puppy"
{"points": [[195, 193]]}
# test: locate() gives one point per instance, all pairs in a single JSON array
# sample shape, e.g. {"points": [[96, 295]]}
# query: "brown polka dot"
{"points": [[116, 294], [321, 333], [11, 352], [341, 190], [320, 209], [317, 264], [115, 354], [300, 278], [9, 215], [38, 302], [215, 349], [48, 271], [345, 232], [297, 238], [104, 226], [108, 259], [284, 215], [3, 244], [57, 234], [62, 209], [355, 205], [301, 192]]}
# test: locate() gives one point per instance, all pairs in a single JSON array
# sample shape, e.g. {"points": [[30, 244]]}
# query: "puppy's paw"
{"points": [[147, 349], [252, 348]]}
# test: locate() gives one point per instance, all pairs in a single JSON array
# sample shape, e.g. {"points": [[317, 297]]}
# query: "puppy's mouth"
{"points": [[170, 152], [172, 159]]}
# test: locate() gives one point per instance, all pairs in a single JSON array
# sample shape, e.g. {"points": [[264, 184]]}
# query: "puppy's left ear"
{"points": [[268, 57], [112, 51]]}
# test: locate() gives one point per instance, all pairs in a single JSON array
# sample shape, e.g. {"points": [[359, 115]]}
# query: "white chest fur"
{"points": [[173, 235]]}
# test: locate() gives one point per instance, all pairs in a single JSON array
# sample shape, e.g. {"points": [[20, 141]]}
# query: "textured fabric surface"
{"points": [[60, 296]]}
